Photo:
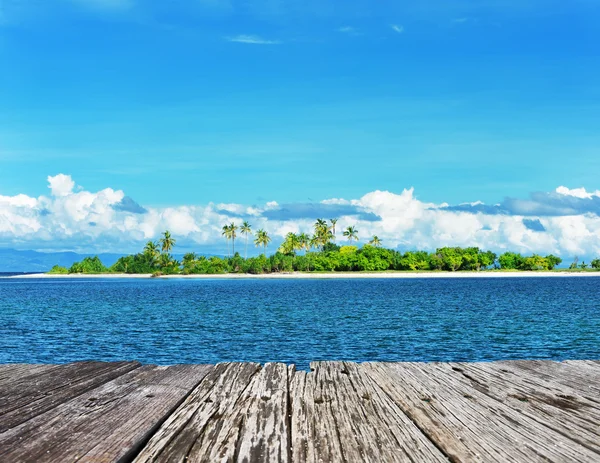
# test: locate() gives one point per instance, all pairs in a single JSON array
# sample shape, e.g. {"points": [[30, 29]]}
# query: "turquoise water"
{"points": [[297, 321]]}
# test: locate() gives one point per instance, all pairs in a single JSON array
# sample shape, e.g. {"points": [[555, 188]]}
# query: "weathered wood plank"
{"points": [[13, 371], [467, 424], [207, 426], [570, 374], [31, 395], [557, 407], [339, 414], [105, 424]]}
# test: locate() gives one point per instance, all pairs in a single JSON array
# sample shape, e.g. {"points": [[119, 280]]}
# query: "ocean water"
{"points": [[298, 321]]}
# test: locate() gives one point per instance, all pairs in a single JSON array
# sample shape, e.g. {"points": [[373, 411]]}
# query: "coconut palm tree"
{"points": [[333, 223], [232, 232], [304, 242], [351, 233], [227, 234], [246, 229], [323, 233], [151, 250], [375, 241], [189, 259], [167, 242], [290, 244], [262, 239]]}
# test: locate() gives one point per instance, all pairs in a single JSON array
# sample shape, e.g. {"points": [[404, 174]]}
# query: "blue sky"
{"points": [[224, 101]]}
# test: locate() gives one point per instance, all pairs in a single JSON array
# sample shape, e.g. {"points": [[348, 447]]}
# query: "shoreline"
{"points": [[323, 276]]}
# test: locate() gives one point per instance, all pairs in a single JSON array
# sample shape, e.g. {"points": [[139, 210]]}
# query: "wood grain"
{"points": [[468, 424], [339, 414], [27, 396], [107, 423]]}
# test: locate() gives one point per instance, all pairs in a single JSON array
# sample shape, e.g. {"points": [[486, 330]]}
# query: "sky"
{"points": [[441, 122]]}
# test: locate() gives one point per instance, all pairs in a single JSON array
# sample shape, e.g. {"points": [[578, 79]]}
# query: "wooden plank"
{"points": [[31, 395], [108, 423], [339, 414], [13, 371], [574, 375], [557, 407], [224, 420], [467, 424]]}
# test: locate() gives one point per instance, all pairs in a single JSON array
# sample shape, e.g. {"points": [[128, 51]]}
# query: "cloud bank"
{"points": [[564, 222]]}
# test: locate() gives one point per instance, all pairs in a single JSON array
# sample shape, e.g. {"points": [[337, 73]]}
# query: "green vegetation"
{"points": [[316, 253], [58, 270]]}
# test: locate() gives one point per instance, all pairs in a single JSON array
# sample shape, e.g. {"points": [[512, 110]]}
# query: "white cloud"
{"points": [[61, 185], [577, 192], [252, 39], [398, 29], [71, 218]]}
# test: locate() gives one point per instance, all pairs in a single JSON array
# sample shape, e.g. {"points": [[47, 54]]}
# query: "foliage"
{"points": [[58, 270], [89, 265], [155, 259]]}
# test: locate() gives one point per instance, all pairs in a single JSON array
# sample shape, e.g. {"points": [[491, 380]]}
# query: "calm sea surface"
{"points": [[297, 321]]}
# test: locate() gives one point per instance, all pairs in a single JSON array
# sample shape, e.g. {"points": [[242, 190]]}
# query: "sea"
{"points": [[298, 321]]}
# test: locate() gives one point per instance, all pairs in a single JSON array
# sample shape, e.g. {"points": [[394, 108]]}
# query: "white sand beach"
{"points": [[325, 276]]}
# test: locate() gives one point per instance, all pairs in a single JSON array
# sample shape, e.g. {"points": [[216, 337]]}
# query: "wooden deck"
{"points": [[521, 411]]}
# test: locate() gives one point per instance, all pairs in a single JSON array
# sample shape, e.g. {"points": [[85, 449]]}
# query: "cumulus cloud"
{"points": [[563, 201], [73, 218], [398, 29], [61, 185]]}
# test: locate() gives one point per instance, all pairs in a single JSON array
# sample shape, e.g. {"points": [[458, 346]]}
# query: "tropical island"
{"points": [[314, 253]]}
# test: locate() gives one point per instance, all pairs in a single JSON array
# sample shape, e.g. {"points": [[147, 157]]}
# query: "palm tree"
{"points": [[351, 233], [262, 239], [189, 259], [304, 242], [315, 242], [323, 233], [232, 232], [333, 222], [246, 230], [227, 234], [291, 244], [375, 241], [167, 242], [320, 224]]}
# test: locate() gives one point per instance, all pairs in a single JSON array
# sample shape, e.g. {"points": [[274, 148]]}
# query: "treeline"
{"points": [[156, 259]]}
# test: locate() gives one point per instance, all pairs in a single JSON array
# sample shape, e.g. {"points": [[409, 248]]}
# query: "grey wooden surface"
{"points": [[521, 411]]}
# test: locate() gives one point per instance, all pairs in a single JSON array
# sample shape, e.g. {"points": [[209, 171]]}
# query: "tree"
{"points": [[553, 261], [167, 242], [304, 242], [262, 239], [226, 232], [351, 233], [574, 264], [246, 230], [375, 242], [232, 234], [510, 261], [323, 233], [152, 251], [290, 244], [333, 223], [595, 264], [189, 260]]}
